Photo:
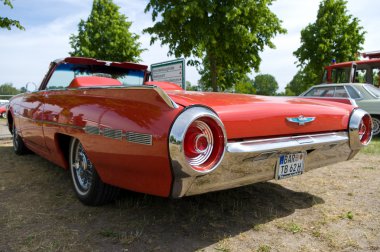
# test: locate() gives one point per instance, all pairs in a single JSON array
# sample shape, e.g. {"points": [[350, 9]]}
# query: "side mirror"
{"points": [[30, 87]]}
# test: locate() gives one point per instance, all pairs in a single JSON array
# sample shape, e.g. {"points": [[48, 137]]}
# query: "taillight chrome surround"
{"points": [[360, 129], [197, 141]]}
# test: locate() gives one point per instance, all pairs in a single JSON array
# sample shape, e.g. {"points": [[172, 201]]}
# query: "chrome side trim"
{"points": [[354, 124], [51, 123], [117, 134], [139, 138], [113, 133], [92, 130]]}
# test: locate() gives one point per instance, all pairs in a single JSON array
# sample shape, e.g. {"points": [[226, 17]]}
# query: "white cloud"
{"points": [[25, 55]]}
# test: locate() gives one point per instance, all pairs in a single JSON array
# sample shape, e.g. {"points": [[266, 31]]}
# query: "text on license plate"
{"points": [[290, 165]]}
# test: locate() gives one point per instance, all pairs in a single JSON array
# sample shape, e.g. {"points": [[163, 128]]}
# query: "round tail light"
{"points": [[365, 130], [197, 142], [360, 129], [203, 144]]}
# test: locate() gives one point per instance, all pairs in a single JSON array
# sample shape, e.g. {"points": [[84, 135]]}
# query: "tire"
{"points": [[18, 144], [376, 126], [4, 115], [87, 184]]}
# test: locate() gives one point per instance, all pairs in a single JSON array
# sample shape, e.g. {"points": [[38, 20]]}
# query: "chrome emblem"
{"points": [[301, 120]]}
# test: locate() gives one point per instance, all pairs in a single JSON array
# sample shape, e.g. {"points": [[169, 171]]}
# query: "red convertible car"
{"points": [[113, 128], [3, 110]]}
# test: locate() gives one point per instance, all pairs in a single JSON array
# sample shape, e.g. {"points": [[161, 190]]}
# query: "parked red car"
{"points": [[112, 128], [3, 110]]}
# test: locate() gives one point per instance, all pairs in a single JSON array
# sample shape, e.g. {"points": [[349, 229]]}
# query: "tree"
{"points": [[8, 89], [334, 35], [105, 35], [9, 23], [300, 82], [265, 84], [190, 87], [227, 76], [226, 35], [23, 90], [245, 86]]}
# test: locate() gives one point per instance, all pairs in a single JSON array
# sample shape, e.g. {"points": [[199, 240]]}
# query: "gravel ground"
{"points": [[335, 208]]}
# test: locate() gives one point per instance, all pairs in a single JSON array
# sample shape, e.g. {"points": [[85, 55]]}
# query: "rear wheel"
{"points": [[376, 126], [88, 186], [4, 115], [18, 144]]}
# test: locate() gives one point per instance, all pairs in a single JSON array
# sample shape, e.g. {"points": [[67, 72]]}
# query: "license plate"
{"points": [[290, 165]]}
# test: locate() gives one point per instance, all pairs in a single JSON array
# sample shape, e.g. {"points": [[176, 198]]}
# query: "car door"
{"points": [[30, 120]]}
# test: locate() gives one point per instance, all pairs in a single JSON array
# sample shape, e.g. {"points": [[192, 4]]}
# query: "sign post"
{"points": [[171, 71]]}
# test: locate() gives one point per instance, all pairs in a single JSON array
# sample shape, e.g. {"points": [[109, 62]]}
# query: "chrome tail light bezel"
{"points": [[358, 119], [179, 160]]}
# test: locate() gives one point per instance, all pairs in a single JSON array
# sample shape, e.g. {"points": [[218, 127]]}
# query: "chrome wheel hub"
{"points": [[376, 126], [83, 169]]}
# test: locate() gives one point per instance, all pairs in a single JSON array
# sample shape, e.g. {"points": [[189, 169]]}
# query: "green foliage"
{"points": [[287, 92], [7, 23], [8, 89], [264, 248], [265, 84], [298, 84], [190, 87], [349, 215], [226, 35], [105, 35], [23, 90], [334, 35], [245, 86], [373, 148], [227, 76]]}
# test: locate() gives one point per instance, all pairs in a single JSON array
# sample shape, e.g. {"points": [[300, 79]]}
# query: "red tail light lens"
{"points": [[203, 144], [360, 129], [365, 130]]}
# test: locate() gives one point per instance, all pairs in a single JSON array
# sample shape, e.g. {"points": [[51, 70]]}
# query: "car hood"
{"points": [[252, 116]]}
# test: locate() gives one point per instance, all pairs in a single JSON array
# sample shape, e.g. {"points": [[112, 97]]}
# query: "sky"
{"points": [[26, 55]]}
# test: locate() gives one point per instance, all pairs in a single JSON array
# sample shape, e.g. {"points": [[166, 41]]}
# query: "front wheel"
{"points": [[88, 186], [4, 115], [376, 126]]}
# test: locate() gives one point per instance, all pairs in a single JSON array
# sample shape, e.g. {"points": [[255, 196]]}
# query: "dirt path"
{"points": [[335, 208]]}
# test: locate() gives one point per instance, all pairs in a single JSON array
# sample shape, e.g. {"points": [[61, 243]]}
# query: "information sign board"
{"points": [[171, 71]]}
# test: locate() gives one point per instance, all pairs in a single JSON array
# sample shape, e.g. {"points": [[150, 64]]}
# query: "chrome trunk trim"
{"points": [[277, 144]]}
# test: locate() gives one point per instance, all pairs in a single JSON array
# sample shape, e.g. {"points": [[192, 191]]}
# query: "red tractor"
{"points": [[366, 70]]}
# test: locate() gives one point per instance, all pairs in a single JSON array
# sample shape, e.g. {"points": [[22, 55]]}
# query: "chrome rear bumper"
{"points": [[255, 161]]}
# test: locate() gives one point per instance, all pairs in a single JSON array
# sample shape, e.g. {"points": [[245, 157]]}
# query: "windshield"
{"points": [[66, 72], [338, 75], [373, 90]]}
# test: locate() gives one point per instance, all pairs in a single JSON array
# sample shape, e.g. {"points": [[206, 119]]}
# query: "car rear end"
{"points": [[220, 145]]}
